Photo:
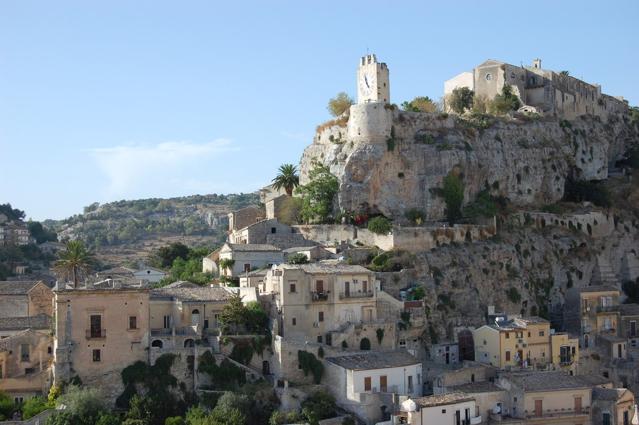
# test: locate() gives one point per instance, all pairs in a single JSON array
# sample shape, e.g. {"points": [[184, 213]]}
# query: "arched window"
{"points": [[157, 343], [195, 317]]}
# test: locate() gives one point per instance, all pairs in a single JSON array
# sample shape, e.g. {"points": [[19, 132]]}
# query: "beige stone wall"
{"points": [[244, 217], [14, 306], [31, 373], [41, 300], [119, 346]]}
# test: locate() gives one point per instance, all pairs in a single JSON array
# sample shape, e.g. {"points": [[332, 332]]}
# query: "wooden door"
{"points": [[383, 383], [577, 405], [319, 286], [538, 407], [347, 289], [367, 383]]}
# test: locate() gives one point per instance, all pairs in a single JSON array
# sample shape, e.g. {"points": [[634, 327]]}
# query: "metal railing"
{"points": [[96, 333], [319, 296], [367, 294]]}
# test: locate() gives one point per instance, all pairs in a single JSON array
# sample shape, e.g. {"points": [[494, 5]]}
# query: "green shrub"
{"points": [[174, 420], [339, 104], [297, 258], [505, 102], [380, 225], [513, 295], [461, 99], [33, 406], [415, 216], [484, 206], [7, 405], [453, 192], [309, 363]]}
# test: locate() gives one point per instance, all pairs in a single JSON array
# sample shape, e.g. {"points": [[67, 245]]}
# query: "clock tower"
{"points": [[373, 84]]}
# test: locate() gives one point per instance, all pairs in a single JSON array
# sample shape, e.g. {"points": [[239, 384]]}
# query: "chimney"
{"points": [[537, 63]]}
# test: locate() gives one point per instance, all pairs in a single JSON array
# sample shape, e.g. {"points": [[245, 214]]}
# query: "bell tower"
{"points": [[373, 84]]}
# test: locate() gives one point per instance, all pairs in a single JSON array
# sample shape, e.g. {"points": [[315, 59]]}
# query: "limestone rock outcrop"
{"points": [[526, 160]]}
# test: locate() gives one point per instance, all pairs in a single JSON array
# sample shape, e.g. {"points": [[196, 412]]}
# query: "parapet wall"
{"points": [[595, 224], [412, 239], [370, 122]]}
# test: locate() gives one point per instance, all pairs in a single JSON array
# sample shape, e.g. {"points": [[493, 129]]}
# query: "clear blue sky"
{"points": [[101, 101]]}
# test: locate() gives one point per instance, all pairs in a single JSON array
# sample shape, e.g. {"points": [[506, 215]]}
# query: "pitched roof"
{"points": [[629, 309], [252, 247], [544, 381], [366, 360], [116, 271], [327, 267], [41, 321], [612, 394], [18, 287], [442, 399], [188, 294]]}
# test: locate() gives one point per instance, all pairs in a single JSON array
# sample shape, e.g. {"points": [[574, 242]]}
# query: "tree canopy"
{"points": [[453, 192], [420, 104], [339, 104], [75, 262], [461, 99], [287, 178], [318, 195]]}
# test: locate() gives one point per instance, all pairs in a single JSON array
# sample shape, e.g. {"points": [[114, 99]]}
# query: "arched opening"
{"points": [[189, 343], [466, 345], [195, 317], [157, 343]]}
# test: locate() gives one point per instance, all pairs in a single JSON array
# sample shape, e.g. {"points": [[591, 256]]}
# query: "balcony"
{"points": [[319, 296], [96, 333], [344, 295], [607, 308], [558, 413]]}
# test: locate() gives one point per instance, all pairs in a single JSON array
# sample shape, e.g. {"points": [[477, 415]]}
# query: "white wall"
{"points": [[256, 259], [446, 414], [396, 378], [465, 79]]}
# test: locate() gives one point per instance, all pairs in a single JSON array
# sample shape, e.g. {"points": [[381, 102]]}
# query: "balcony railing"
{"points": [[319, 296], [96, 333], [366, 294], [607, 308], [554, 413]]}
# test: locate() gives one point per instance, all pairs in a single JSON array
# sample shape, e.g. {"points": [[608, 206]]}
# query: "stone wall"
{"points": [[525, 161], [594, 223]]}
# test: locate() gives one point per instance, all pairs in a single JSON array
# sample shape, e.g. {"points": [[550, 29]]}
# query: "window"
{"points": [[367, 383], [320, 316], [49, 351], [273, 230], [320, 339], [383, 383], [291, 288], [633, 328], [247, 268], [96, 326], [97, 355], [24, 352], [293, 321], [133, 322], [489, 77], [507, 335], [319, 286], [541, 333], [410, 383], [564, 354], [167, 322], [507, 356]]}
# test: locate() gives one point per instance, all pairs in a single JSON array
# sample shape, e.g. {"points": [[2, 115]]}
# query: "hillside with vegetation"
{"points": [[128, 231]]}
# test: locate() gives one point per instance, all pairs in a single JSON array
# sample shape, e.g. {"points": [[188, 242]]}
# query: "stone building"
{"points": [[451, 408], [100, 329], [25, 363], [244, 217], [182, 314], [592, 311], [613, 406], [366, 382], [523, 343], [269, 231], [546, 91], [248, 257], [25, 298], [318, 301]]}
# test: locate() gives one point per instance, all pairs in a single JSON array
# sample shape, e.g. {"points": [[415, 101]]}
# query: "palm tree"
{"points": [[287, 178], [74, 261]]}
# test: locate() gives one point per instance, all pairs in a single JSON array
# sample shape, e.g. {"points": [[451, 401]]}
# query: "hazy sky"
{"points": [[101, 101]]}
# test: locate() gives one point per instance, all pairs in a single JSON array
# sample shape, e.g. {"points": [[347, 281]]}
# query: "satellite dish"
{"points": [[409, 406]]}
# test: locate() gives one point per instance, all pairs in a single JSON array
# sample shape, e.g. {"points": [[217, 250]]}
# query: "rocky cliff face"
{"points": [[525, 160]]}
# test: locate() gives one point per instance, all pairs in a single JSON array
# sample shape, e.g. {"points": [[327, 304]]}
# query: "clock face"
{"points": [[366, 84]]}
